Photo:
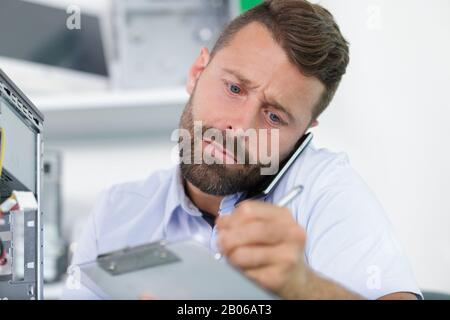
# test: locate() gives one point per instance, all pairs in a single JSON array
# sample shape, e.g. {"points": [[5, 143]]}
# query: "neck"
{"points": [[205, 202]]}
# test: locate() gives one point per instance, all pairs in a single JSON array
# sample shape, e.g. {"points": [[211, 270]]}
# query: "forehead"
{"points": [[254, 53]]}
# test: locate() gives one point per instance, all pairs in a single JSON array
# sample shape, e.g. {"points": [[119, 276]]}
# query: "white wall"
{"points": [[390, 117]]}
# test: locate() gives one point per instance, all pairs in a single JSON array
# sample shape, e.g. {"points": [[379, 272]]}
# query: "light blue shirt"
{"points": [[348, 237]]}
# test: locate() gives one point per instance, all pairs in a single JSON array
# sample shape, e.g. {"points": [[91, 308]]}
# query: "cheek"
{"points": [[277, 144], [208, 104], [287, 146], [267, 143], [271, 143]]}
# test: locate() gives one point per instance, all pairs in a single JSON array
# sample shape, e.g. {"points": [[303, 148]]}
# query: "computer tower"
{"points": [[21, 232]]}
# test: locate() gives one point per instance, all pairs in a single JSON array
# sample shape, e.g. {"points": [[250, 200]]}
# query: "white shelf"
{"points": [[35, 78], [111, 99], [111, 113]]}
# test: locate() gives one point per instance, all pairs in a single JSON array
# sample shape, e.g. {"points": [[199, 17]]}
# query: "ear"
{"points": [[315, 123], [196, 69]]}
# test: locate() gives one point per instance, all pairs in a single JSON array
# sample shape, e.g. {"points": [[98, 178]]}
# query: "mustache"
{"points": [[231, 143]]}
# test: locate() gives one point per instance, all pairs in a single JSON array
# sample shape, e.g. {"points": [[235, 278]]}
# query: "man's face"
{"points": [[250, 84]]}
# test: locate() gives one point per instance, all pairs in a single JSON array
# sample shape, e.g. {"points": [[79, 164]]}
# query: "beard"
{"points": [[216, 178]]}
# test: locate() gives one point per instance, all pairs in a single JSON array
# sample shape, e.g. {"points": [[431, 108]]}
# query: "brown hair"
{"points": [[308, 34]]}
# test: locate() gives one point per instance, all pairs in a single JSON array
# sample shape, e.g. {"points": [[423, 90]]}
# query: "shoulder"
{"points": [[321, 166], [317, 169], [145, 188], [333, 190], [121, 203], [336, 205]]}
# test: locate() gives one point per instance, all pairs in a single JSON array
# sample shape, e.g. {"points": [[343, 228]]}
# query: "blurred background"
{"points": [[109, 77]]}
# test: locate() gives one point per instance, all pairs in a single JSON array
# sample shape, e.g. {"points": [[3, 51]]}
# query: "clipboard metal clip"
{"points": [[136, 258]]}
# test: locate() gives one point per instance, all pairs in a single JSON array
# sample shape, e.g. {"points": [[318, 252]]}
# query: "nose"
{"points": [[244, 116]]}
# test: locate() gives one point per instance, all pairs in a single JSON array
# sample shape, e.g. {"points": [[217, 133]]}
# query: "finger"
{"points": [[247, 210], [253, 233], [253, 257], [253, 210]]}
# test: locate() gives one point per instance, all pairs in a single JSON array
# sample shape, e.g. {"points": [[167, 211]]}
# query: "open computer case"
{"points": [[21, 168]]}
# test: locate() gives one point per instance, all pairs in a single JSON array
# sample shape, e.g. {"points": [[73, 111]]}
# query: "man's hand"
{"points": [[267, 243]]}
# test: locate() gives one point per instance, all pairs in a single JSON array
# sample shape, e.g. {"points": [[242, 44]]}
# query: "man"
{"points": [[274, 69]]}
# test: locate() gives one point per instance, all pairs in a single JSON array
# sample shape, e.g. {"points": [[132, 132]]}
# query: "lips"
{"points": [[219, 150]]}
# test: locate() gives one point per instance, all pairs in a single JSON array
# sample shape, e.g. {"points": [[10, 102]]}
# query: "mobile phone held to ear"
{"points": [[270, 183]]}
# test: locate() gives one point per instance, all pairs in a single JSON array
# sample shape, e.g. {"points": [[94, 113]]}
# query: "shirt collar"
{"points": [[177, 197]]}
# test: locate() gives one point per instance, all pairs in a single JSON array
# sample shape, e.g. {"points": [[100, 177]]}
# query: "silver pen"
{"points": [[290, 196]]}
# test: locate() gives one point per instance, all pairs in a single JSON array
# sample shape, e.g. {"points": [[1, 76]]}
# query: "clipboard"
{"points": [[180, 270]]}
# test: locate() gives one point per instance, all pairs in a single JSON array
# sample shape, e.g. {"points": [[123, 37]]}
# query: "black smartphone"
{"points": [[270, 183]]}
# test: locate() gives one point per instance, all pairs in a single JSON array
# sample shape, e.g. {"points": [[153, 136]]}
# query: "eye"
{"points": [[234, 89], [274, 118]]}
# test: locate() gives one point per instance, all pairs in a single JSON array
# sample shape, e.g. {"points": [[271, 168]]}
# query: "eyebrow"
{"points": [[249, 84], [279, 107]]}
